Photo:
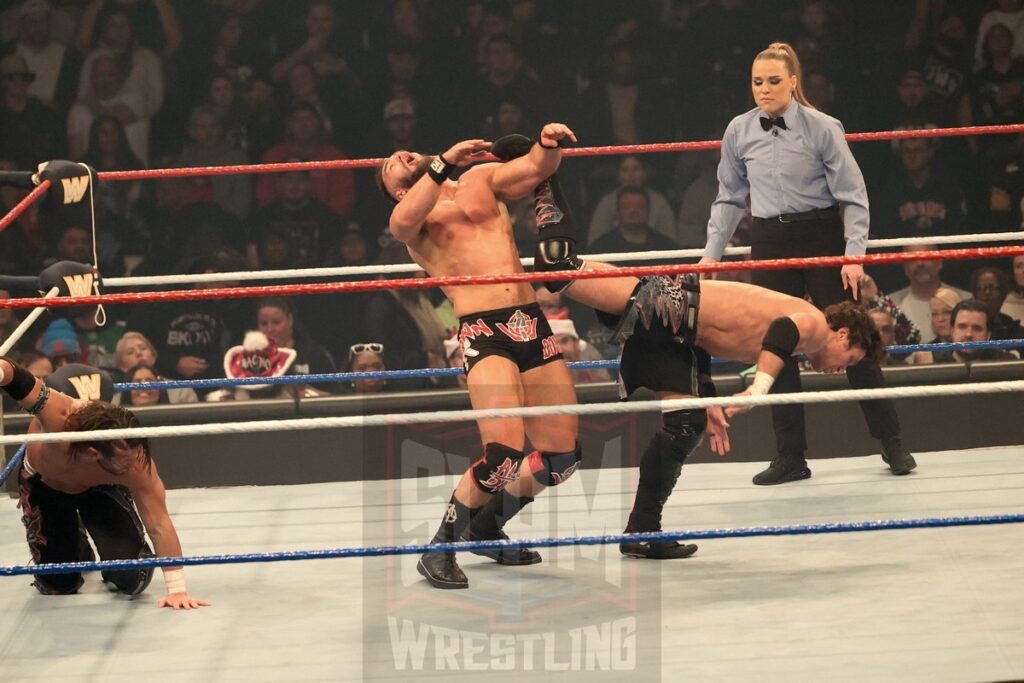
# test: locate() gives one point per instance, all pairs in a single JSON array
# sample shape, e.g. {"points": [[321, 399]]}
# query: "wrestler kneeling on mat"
{"points": [[463, 228], [110, 487]]}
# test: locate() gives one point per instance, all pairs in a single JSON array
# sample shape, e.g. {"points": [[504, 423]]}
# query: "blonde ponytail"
{"points": [[785, 53]]}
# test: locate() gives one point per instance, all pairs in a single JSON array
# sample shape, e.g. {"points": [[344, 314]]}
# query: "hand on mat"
{"points": [[181, 601]]}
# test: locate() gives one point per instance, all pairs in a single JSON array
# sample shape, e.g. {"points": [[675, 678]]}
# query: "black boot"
{"points": [[487, 525], [440, 568], [784, 468], [660, 467], [898, 458]]}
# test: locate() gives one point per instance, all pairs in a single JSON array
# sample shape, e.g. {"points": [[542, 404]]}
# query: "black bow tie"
{"points": [[767, 122]]}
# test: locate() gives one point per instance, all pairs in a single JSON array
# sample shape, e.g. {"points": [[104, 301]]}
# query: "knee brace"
{"points": [[131, 581], [661, 464], [550, 468], [684, 430], [497, 468]]}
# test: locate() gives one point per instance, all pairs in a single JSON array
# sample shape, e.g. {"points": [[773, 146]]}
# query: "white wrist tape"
{"points": [[175, 580], [762, 384]]}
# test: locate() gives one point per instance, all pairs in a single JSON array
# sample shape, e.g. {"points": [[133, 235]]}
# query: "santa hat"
{"points": [[560, 327], [451, 346], [257, 357]]}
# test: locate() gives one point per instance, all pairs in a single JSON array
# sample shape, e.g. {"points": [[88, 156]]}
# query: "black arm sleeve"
{"points": [[781, 338]]}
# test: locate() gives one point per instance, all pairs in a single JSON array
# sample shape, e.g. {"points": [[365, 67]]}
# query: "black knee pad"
{"points": [[551, 469], [58, 584], [684, 430], [131, 581], [498, 467]]}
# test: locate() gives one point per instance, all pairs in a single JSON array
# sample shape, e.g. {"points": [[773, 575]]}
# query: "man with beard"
{"points": [[462, 228], [111, 488], [970, 321]]}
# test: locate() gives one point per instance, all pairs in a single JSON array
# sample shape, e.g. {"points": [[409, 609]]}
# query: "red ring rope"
{"points": [[21, 206], [577, 151], [425, 282]]}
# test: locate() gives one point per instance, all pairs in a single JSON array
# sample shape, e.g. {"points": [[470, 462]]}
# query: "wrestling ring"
{"points": [[784, 589]]}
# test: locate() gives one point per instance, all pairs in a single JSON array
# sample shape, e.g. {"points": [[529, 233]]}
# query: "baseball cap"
{"points": [[400, 106]]}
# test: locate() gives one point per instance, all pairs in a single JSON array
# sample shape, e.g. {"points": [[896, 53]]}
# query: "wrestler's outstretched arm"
{"points": [[787, 335], [519, 177]]}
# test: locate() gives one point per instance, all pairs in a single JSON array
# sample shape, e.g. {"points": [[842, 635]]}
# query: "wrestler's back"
{"points": [[59, 470], [735, 316], [469, 233]]}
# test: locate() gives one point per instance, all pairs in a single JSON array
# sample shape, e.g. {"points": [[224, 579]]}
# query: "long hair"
{"points": [[126, 399], [126, 159], [96, 415], [863, 333], [785, 53]]}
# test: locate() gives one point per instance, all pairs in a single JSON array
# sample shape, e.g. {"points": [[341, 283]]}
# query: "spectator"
{"points": [[223, 97], [915, 300], [921, 198], [121, 206], [98, 341], [1005, 191], [575, 349], [633, 231], [998, 95], [23, 244], [107, 95], [946, 66], [818, 42], [456, 357], [406, 78], [914, 106], [400, 127], [904, 330], [507, 119], [60, 344], [305, 86], [276, 318], [305, 139], [886, 329], [39, 365], [1013, 305], [258, 356], [209, 147], [695, 205], [352, 249], [1009, 13], [141, 67], [326, 45], [308, 226], [505, 77], [235, 50], [940, 308], [154, 24], [8, 321], [632, 173], [143, 397], [54, 65], [30, 130], [74, 243], [134, 349], [820, 91], [367, 357], [990, 286], [970, 321], [405, 322]]}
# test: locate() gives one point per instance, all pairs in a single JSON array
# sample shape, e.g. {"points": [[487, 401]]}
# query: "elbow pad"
{"points": [[781, 338]]}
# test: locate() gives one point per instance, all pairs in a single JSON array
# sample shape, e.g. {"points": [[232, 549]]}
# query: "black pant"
{"points": [[819, 237], [55, 526]]}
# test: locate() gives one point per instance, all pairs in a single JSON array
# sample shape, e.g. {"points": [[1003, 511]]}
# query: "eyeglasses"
{"points": [[355, 349], [20, 77]]}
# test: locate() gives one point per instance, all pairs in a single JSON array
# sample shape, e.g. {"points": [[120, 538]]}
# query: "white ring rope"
{"points": [[615, 257], [21, 329], [386, 419]]}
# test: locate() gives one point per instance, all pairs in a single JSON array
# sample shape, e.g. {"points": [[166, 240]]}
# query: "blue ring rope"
{"points": [[12, 464], [451, 372], [416, 549]]}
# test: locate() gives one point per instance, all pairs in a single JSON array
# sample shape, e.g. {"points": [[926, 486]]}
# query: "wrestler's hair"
{"points": [[96, 415], [380, 182], [785, 53], [863, 333]]}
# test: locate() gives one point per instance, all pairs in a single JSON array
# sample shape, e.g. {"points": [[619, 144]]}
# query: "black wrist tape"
{"points": [[554, 146], [440, 170], [22, 382], [781, 338], [44, 395]]}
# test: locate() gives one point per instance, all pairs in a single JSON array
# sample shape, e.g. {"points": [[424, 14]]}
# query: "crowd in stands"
{"points": [[133, 84]]}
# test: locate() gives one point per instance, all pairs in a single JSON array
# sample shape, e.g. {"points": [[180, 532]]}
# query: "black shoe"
{"points": [[442, 571], [509, 556], [783, 469], [657, 550], [898, 458]]}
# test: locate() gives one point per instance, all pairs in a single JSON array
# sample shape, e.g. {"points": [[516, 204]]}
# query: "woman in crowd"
{"points": [[144, 397], [367, 357], [275, 317], [134, 350], [1013, 304]]}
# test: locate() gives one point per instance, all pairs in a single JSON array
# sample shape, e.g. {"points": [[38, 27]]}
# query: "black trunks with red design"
{"points": [[519, 333]]}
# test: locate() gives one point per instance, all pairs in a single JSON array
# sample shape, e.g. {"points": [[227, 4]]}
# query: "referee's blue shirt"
{"points": [[805, 167]]}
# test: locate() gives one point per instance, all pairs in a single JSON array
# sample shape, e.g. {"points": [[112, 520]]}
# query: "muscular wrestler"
{"points": [[462, 228], [110, 487]]}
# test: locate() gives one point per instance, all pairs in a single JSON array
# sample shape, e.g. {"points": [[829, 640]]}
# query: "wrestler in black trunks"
{"points": [[519, 333]]}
